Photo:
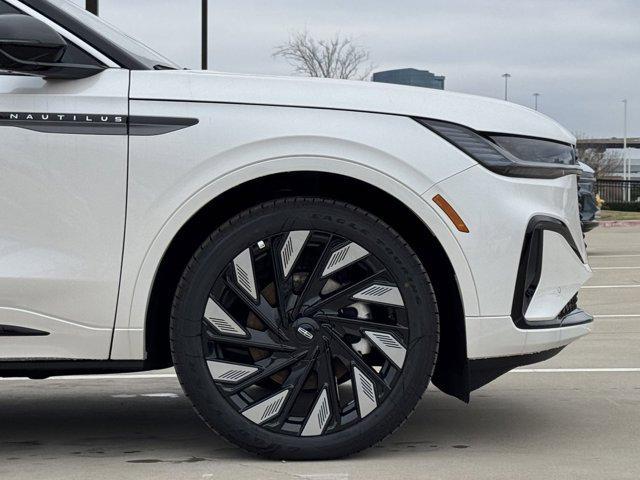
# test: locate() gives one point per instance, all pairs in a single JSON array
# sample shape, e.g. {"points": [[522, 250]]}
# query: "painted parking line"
{"points": [[592, 256], [615, 268], [151, 395], [575, 370], [609, 286], [622, 315]]}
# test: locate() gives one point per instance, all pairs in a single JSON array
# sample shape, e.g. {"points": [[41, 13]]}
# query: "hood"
{"points": [[479, 113]]}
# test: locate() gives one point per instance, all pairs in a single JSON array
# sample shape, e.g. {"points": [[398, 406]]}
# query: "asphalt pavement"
{"points": [[574, 416]]}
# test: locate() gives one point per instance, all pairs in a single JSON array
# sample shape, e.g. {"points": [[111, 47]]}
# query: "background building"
{"points": [[410, 76]]}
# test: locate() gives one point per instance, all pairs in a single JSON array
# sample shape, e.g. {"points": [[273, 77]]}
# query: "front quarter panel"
{"points": [[497, 210], [172, 176]]}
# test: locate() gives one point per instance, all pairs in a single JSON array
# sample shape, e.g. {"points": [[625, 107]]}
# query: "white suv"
{"points": [[308, 254]]}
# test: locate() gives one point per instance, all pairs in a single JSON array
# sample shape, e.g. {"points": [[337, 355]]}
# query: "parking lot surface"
{"points": [[574, 416]]}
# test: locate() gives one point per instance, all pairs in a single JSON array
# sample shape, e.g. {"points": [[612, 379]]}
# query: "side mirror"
{"points": [[31, 47]]}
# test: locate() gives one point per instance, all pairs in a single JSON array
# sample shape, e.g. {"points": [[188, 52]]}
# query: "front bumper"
{"points": [[485, 370], [544, 314], [527, 257]]}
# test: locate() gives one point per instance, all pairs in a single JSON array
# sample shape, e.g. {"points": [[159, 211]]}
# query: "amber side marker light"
{"points": [[451, 213]]}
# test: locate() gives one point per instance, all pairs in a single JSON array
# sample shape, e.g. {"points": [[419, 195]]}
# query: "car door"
{"points": [[63, 171]]}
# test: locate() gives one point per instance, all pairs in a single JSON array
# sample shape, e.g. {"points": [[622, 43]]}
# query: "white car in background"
{"points": [[309, 254]]}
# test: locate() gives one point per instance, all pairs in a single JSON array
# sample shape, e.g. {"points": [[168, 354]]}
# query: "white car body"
{"points": [[87, 218]]}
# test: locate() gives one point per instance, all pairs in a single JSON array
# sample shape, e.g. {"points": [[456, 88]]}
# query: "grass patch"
{"points": [[615, 215]]}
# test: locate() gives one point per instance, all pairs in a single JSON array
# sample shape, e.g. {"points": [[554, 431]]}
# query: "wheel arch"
{"points": [[451, 370]]}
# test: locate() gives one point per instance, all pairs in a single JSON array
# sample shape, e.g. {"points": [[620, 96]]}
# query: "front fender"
{"points": [[173, 176]]}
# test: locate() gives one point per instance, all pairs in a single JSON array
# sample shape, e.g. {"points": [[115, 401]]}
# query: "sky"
{"points": [[582, 56]]}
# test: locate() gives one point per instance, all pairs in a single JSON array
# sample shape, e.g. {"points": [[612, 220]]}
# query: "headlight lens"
{"points": [[509, 154], [536, 150]]}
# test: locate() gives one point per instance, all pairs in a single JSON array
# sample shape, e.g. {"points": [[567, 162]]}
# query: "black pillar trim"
{"points": [[92, 6]]}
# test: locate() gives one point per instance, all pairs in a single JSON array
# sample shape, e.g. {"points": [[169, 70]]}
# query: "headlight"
{"points": [[510, 155]]}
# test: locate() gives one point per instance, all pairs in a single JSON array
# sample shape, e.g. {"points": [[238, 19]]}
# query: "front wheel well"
{"points": [[451, 370]]}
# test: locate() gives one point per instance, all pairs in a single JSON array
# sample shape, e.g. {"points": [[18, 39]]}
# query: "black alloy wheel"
{"points": [[304, 328]]}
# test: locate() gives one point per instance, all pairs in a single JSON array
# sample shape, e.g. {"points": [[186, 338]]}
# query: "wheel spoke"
{"points": [[244, 273], [274, 367], [291, 250], [339, 346], [341, 297], [228, 372], [356, 325], [327, 377], [365, 392], [221, 321], [265, 312], [256, 340], [389, 345], [318, 417], [283, 284], [296, 381], [314, 282], [264, 410], [343, 257], [381, 293]]}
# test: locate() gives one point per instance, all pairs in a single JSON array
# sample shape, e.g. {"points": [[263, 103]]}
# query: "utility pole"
{"points": [[92, 6], [205, 34], [535, 97], [625, 161], [506, 77]]}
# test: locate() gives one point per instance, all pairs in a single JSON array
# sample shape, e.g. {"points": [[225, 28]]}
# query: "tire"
{"points": [[333, 367]]}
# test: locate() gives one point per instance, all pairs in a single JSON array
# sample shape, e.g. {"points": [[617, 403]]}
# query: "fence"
{"points": [[619, 191]]}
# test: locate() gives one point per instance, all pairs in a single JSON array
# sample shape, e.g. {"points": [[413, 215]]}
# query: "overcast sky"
{"points": [[582, 56]]}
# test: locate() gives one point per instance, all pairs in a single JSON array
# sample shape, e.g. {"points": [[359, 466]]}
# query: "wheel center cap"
{"points": [[305, 332], [305, 329]]}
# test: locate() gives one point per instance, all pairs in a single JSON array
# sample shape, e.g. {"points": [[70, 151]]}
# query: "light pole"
{"points": [[626, 165], [205, 34], [535, 99], [92, 6], [506, 77]]}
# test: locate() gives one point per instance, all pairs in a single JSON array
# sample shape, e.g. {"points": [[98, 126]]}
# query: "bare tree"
{"points": [[337, 57], [605, 163]]}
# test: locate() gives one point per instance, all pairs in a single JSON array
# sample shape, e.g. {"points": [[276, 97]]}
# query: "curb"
{"points": [[619, 223]]}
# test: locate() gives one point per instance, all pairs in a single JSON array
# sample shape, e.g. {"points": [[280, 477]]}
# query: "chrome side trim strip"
{"points": [[94, 124]]}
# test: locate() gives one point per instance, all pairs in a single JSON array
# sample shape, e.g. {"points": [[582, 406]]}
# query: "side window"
{"points": [[73, 53]]}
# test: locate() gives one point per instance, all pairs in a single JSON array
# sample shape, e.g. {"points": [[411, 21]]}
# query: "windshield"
{"points": [[141, 52]]}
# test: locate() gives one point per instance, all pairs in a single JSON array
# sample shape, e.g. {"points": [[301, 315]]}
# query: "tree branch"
{"points": [[336, 57]]}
